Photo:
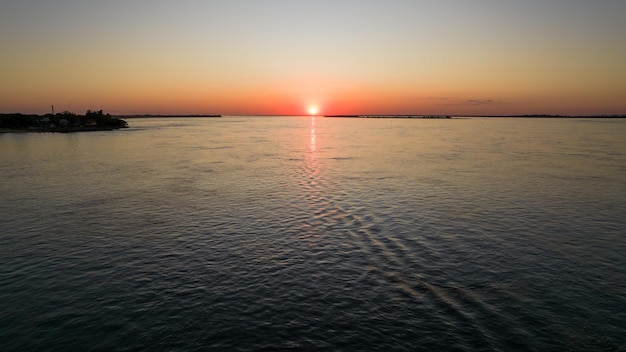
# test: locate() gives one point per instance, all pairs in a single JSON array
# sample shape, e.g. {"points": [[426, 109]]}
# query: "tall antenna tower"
{"points": [[52, 107]]}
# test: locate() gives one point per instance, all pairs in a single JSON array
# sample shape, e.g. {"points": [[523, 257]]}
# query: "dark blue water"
{"points": [[253, 234]]}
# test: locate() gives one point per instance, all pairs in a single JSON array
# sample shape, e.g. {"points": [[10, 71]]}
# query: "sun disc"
{"points": [[313, 110]]}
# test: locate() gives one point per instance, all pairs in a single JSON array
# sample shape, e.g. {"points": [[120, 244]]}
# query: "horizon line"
{"points": [[139, 115]]}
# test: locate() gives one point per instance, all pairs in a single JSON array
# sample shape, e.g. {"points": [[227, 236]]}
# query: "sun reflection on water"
{"points": [[315, 194], [312, 163], [312, 147]]}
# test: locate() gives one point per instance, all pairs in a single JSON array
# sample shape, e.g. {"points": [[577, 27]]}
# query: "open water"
{"points": [[329, 234]]}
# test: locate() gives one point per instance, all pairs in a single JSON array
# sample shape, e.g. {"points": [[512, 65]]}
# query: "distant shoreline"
{"points": [[468, 116], [162, 116], [541, 116], [94, 121], [393, 116]]}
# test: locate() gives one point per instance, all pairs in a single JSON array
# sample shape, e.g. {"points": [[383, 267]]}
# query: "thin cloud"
{"points": [[480, 101], [452, 101]]}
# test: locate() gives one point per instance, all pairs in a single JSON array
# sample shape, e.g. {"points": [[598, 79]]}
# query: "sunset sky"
{"points": [[235, 57]]}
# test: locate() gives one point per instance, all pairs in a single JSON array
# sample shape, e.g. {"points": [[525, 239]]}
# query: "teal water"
{"points": [[300, 233]]}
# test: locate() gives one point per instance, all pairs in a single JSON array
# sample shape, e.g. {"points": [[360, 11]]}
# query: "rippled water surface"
{"points": [[278, 233]]}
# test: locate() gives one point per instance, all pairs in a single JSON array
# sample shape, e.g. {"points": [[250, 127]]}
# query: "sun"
{"points": [[313, 110]]}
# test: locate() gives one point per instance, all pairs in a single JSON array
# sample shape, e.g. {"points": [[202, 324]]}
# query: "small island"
{"points": [[61, 122]]}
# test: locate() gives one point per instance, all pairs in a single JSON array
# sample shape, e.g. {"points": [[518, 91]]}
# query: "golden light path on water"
{"points": [[312, 149]]}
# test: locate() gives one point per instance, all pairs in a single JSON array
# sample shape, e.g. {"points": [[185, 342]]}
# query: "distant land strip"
{"points": [[553, 116], [456, 116], [394, 116], [161, 116]]}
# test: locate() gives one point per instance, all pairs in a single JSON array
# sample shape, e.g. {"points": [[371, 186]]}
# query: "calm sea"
{"points": [[328, 234]]}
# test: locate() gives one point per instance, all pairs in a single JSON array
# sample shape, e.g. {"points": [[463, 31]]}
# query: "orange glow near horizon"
{"points": [[255, 59]]}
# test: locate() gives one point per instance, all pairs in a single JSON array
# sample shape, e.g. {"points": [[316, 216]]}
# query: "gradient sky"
{"points": [[233, 57]]}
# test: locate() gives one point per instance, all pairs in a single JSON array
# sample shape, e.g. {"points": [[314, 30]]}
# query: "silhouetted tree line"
{"points": [[62, 121]]}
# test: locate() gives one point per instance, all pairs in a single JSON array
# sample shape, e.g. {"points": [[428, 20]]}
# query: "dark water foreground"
{"points": [[270, 234]]}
